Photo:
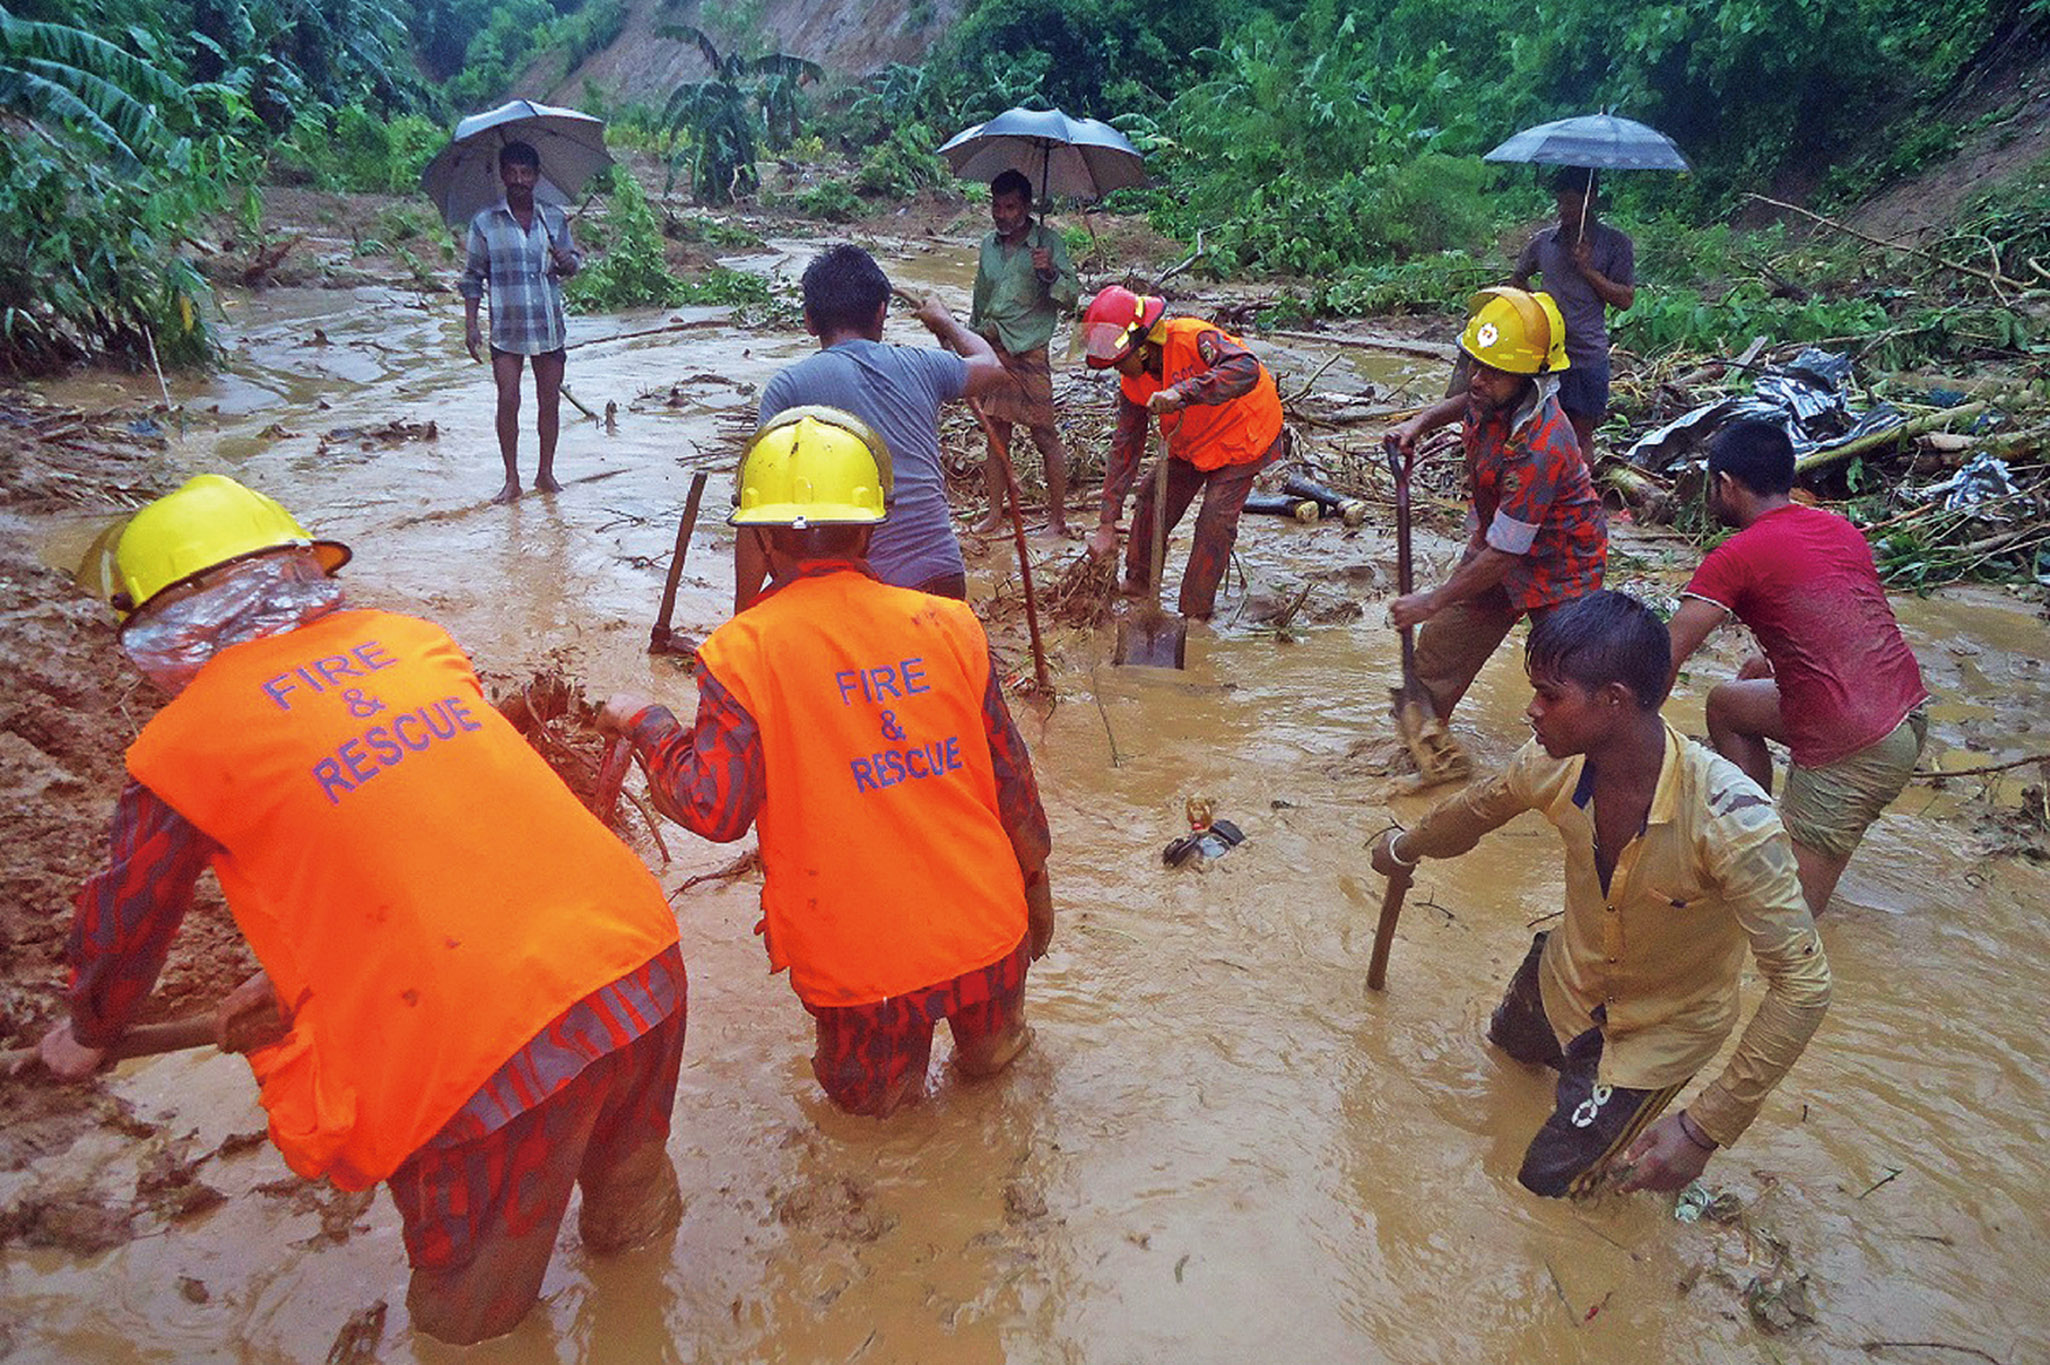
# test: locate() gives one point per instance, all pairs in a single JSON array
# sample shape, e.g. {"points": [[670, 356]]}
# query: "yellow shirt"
{"points": [[1661, 951]]}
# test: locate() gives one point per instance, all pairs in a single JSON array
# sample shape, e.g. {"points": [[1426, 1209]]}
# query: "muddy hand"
{"points": [[1384, 859], [1166, 400], [1103, 541], [935, 315], [1664, 1158], [249, 1017], [1412, 610], [619, 710], [64, 1057]]}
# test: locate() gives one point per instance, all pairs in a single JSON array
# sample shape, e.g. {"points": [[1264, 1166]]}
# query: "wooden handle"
{"points": [[1384, 932], [176, 1035], [683, 530]]}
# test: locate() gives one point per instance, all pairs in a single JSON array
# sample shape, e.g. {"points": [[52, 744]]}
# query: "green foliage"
{"points": [[1095, 57], [712, 232], [109, 156], [352, 148], [904, 163], [1438, 282], [633, 271], [1669, 316], [1394, 175], [833, 200], [720, 285], [714, 121]]}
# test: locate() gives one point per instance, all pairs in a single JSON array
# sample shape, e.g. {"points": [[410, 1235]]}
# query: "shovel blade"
{"points": [[1152, 640], [1438, 755]]}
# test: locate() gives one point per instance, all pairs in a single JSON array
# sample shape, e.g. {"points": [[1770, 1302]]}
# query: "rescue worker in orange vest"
{"points": [[480, 987], [1219, 414], [860, 727]]}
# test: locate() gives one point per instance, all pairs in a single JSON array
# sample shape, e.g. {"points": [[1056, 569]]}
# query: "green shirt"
{"points": [[1013, 305]]}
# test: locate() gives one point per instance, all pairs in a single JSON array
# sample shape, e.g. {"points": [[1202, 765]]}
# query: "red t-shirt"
{"points": [[1803, 580]]}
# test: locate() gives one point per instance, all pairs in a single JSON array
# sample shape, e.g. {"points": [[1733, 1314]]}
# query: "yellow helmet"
{"points": [[210, 521], [813, 466], [1516, 330]]}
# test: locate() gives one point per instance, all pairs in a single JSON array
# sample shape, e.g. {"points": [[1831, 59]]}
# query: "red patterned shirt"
{"points": [[1532, 495]]}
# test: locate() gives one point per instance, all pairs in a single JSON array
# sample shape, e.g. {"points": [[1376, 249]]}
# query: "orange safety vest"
{"points": [[887, 865], [424, 891], [1208, 435]]}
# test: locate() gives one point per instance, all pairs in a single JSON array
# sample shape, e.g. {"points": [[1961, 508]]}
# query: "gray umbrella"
{"points": [[1082, 157], [463, 177], [1597, 141]]}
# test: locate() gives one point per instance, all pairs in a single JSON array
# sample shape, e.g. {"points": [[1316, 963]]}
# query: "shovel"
{"points": [[658, 638], [1438, 756], [1150, 637]]}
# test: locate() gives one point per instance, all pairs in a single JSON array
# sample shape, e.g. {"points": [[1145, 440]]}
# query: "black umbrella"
{"points": [[1081, 157]]}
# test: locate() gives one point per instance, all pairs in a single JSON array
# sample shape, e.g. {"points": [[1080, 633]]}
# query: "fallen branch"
{"points": [[1933, 774], [1179, 266], [650, 331], [1998, 281], [1874, 1347], [575, 403], [1292, 399], [1428, 350]]}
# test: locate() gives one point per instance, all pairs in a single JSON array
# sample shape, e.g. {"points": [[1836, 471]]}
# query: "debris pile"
{"points": [[550, 710]]}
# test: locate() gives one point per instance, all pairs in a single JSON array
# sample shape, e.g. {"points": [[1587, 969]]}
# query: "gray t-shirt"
{"points": [[898, 391], [1587, 328]]}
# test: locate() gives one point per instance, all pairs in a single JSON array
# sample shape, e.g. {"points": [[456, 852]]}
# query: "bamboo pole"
{"points": [[1935, 421]]}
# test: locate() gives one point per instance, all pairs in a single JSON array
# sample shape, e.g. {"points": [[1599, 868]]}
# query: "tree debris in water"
{"points": [[550, 709], [359, 1338], [389, 434]]}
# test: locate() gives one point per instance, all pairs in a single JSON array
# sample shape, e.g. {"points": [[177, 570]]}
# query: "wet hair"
{"points": [[820, 542], [1756, 453], [1603, 638], [1575, 180], [1012, 181], [844, 289], [518, 154]]}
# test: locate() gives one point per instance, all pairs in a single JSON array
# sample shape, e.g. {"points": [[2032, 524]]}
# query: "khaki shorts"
{"points": [[1829, 808]]}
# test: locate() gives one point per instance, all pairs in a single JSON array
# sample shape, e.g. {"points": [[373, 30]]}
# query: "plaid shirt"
{"points": [[526, 294], [710, 778], [129, 912], [1532, 494]]}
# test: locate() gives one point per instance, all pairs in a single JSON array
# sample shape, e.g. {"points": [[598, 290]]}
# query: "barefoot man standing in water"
{"points": [[523, 250]]}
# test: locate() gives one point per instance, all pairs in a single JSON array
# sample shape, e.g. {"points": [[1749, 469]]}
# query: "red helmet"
{"points": [[1116, 321]]}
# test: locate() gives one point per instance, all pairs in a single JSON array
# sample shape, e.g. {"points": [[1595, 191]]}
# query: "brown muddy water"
{"points": [[1221, 1147]]}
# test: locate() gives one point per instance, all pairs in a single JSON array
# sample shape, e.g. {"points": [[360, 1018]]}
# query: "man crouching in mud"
{"points": [[1674, 861], [483, 997]]}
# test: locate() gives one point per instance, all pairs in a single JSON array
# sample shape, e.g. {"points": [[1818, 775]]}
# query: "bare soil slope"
{"points": [[849, 38]]}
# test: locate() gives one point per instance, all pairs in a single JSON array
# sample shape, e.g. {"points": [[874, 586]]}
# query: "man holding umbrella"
{"points": [[1023, 282], [522, 251], [1588, 268]]}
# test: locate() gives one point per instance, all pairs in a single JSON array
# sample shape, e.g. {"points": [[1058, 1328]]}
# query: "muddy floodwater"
{"points": [[1221, 1147]]}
